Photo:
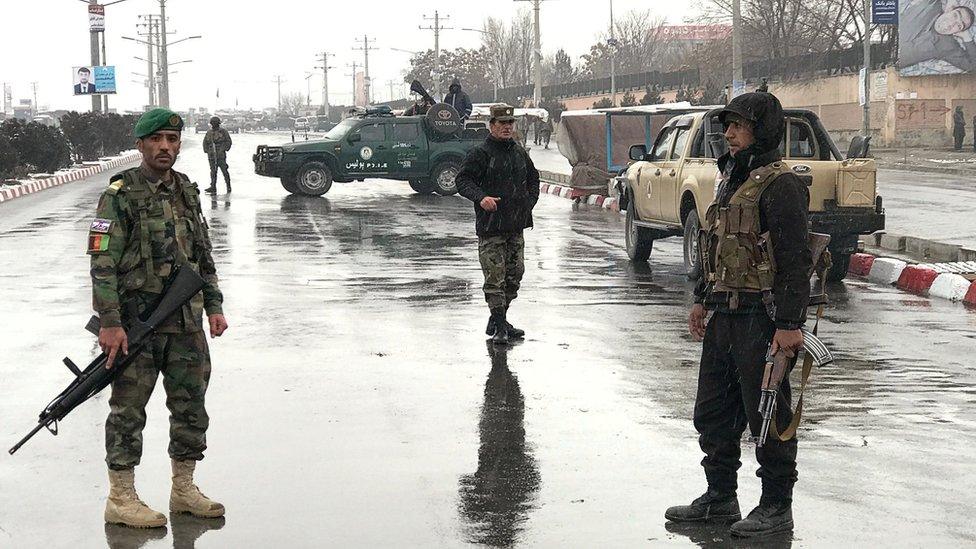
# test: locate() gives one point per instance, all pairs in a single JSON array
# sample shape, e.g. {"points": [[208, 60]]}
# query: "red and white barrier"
{"points": [[605, 202], [31, 187], [942, 280]]}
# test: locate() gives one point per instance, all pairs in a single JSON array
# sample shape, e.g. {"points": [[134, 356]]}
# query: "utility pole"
{"points": [[152, 32], [354, 67], [308, 88], [163, 57], [366, 82], [537, 93], [866, 121], [612, 42], [96, 100], [278, 79], [437, 28], [738, 82], [325, 81], [36, 108]]}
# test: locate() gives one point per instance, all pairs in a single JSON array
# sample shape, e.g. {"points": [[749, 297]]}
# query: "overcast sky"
{"points": [[245, 44]]}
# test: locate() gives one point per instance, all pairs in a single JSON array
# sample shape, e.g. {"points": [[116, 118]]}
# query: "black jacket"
{"points": [[783, 210], [502, 169], [459, 100]]}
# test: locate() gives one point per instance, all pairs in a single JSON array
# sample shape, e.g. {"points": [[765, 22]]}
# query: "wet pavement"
{"points": [[354, 402]]}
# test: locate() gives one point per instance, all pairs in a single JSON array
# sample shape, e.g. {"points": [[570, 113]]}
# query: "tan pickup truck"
{"points": [[666, 190]]}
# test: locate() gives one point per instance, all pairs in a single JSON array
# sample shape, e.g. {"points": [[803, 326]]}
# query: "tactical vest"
{"points": [[152, 251], [735, 256]]}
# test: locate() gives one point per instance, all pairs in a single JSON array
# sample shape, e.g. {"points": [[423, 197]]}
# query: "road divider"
{"points": [[10, 192], [954, 281], [579, 195]]}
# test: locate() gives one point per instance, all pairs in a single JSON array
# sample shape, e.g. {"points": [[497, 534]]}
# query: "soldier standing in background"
{"points": [[216, 144], [148, 224], [501, 180]]}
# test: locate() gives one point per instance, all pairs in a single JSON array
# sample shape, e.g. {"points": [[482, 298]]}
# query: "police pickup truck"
{"points": [[667, 189], [427, 151]]}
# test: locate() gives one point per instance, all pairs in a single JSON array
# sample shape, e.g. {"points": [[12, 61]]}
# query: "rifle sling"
{"points": [[790, 431]]}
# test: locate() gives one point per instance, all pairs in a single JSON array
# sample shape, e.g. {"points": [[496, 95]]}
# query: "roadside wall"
{"points": [[905, 111]]}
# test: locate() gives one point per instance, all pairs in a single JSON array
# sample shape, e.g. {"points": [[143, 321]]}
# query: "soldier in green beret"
{"points": [[148, 223]]}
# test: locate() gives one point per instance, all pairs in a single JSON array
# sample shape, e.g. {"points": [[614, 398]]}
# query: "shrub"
{"points": [[8, 157], [39, 146]]}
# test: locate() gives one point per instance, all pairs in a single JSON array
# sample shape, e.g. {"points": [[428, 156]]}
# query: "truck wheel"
{"points": [[314, 178], [421, 186], [290, 184], [838, 267], [443, 178], [638, 239], [692, 225]]}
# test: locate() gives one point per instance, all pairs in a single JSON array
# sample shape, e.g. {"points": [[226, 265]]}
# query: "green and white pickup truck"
{"points": [[427, 151]]}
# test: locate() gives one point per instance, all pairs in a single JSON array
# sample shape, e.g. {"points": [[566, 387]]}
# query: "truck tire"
{"points": [[838, 267], [692, 225], [314, 178], [290, 184], [443, 178], [638, 240], [421, 186]]}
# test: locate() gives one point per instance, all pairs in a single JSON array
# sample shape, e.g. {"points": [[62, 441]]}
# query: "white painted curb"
{"points": [[886, 270], [950, 286]]}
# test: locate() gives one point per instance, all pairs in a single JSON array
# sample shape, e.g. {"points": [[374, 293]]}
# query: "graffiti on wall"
{"points": [[920, 113]]}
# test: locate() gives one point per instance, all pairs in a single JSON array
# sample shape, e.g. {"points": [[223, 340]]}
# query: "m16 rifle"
{"points": [[183, 285]]}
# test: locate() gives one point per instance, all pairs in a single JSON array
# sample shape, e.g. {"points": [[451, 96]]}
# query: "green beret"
{"points": [[158, 119]]}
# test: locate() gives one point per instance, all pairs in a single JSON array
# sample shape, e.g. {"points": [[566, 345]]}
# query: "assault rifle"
{"points": [[777, 366], [183, 285], [776, 369]]}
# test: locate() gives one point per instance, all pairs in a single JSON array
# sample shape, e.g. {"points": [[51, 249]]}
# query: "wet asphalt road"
{"points": [[354, 402]]}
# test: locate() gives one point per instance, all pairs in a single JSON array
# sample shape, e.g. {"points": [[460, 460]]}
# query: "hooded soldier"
{"points": [[756, 263], [458, 99]]}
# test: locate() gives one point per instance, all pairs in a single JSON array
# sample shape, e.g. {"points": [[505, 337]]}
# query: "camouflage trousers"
{"points": [[184, 361], [219, 161], [503, 264]]}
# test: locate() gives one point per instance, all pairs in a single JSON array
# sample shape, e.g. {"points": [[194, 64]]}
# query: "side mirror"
{"points": [[860, 145], [638, 152], [355, 137]]}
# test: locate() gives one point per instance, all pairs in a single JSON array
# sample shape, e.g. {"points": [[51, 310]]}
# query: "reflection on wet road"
{"points": [[353, 402]]}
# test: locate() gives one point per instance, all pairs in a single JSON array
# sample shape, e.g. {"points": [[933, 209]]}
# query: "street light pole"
{"points": [[738, 82], [866, 115], [96, 100], [163, 57], [613, 59]]}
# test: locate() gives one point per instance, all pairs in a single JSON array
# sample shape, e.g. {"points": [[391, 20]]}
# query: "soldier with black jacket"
{"points": [[501, 180], [756, 263]]}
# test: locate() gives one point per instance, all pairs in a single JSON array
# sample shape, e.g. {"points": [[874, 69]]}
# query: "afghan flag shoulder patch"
{"points": [[98, 243]]}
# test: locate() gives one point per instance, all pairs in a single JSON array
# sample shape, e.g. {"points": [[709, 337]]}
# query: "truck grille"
{"points": [[268, 154]]}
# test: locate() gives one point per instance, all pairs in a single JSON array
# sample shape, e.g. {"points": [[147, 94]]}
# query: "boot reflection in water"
{"points": [[495, 501]]}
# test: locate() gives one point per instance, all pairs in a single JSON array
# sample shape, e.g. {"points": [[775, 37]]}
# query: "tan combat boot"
{"points": [[186, 497], [124, 506]]}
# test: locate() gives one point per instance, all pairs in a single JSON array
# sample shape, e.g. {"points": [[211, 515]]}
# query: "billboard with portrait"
{"points": [[94, 80], [936, 37]]}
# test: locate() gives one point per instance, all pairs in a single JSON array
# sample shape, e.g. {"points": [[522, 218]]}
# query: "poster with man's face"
{"points": [[936, 37], [94, 80]]}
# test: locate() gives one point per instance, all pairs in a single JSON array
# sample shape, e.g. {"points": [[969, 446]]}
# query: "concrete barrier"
{"points": [[950, 286], [860, 264], [886, 270], [916, 279], [970, 298], [931, 250], [892, 242]]}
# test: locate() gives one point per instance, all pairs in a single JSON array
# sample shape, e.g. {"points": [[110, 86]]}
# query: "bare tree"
{"points": [[640, 47], [292, 103], [509, 48]]}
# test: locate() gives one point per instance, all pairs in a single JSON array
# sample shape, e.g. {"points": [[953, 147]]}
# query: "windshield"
{"points": [[342, 129]]}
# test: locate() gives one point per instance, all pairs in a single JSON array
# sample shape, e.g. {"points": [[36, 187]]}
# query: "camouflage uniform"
{"points": [[143, 230], [217, 143], [503, 264], [502, 169]]}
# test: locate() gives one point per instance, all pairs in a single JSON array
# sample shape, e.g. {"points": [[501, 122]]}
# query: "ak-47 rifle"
{"points": [[777, 366], [183, 285]]}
